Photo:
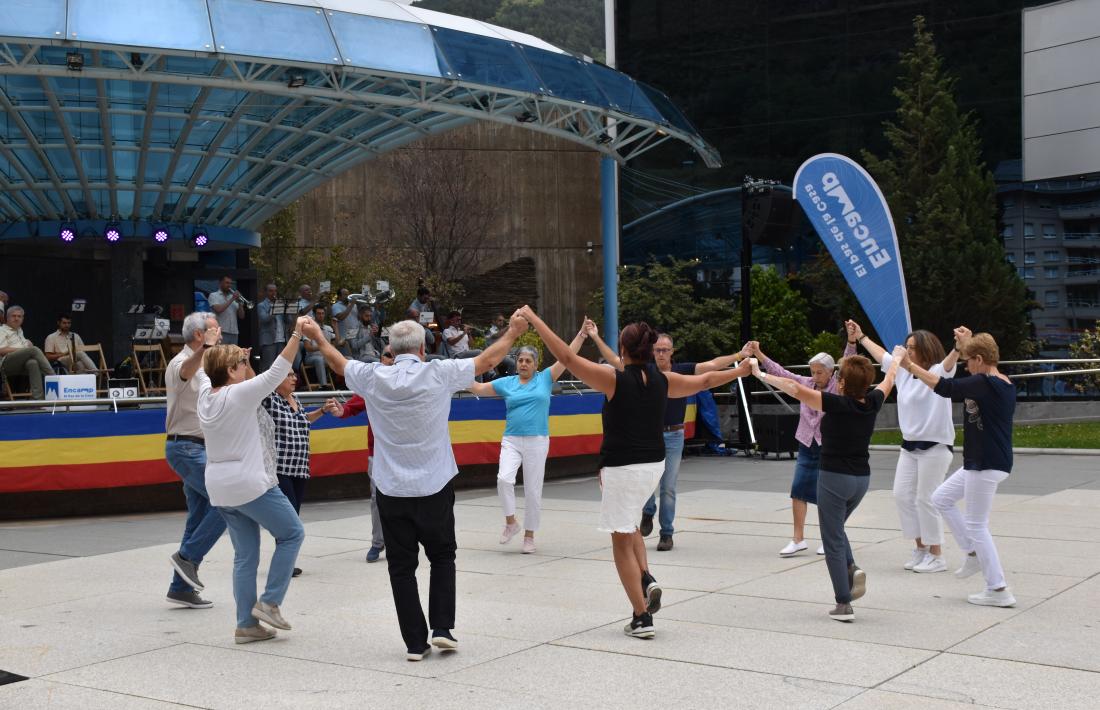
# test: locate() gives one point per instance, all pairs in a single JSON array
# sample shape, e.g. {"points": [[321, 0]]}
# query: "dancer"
{"points": [[240, 476], [526, 439], [823, 377], [292, 424], [185, 450], [633, 450], [355, 405], [845, 471], [990, 399], [409, 403], [927, 438]]}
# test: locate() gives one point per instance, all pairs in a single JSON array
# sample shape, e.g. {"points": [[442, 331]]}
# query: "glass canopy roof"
{"points": [[220, 112]]}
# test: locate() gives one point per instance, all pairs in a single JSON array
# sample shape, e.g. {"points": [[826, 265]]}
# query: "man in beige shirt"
{"points": [[18, 356], [185, 450], [66, 347]]}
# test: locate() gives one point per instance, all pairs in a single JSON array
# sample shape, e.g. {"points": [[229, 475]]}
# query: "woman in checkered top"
{"points": [[291, 440]]}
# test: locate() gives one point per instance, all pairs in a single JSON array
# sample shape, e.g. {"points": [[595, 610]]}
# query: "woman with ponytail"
{"points": [[632, 455]]}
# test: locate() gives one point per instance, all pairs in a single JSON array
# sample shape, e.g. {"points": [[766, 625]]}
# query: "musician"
{"points": [[457, 336], [272, 328], [312, 355], [345, 319], [65, 347], [18, 356], [227, 307], [423, 302], [3, 304], [306, 301], [366, 345]]}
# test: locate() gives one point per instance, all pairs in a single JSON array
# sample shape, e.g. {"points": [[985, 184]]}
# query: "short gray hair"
{"points": [[530, 351], [195, 323], [406, 337], [13, 309], [825, 360]]}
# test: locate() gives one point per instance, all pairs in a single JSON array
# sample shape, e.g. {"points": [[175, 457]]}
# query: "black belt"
{"points": [[675, 427], [183, 437]]}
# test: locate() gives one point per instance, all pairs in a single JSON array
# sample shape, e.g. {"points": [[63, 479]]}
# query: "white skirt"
{"points": [[625, 492]]}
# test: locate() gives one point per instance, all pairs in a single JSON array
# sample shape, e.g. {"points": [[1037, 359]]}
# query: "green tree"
{"points": [[779, 317], [1087, 346], [942, 198]]}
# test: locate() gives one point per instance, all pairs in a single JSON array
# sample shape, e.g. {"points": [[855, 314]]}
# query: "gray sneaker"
{"points": [[189, 571], [843, 612], [188, 599], [270, 614], [252, 633]]}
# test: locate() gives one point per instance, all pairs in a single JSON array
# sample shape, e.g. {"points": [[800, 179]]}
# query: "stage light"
{"points": [[74, 61], [160, 235], [296, 80], [199, 239], [527, 117], [67, 233], [112, 232]]}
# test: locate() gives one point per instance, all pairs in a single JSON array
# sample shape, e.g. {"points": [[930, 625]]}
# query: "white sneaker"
{"points": [[528, 545], [931, 563], [793, 548], [970, 567], [988, 597], [917, 557], [821, 549], [510, 530]]}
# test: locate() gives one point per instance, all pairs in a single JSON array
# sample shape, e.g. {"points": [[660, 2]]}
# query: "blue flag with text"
{"points": [[850, 215]]}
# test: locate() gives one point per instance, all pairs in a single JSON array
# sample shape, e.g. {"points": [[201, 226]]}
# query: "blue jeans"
{"points": [[674, 450], [274, 513], [204, 523], [804, 486]]}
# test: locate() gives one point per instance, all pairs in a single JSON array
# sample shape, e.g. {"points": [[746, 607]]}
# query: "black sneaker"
{"points": [[188, 599], [417, 655], [652, 593], [442, 639], [188, 571], [665, 544], [641, 626], [297, 572], [647, 525]]}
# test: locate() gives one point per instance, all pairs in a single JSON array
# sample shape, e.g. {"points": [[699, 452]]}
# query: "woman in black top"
{"points": [[990, 403], [845, 470], [633, 451]]}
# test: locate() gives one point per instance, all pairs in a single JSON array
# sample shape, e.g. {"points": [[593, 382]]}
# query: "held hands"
{"points": [[212, 336], [519, 323], [755, 365], [855, 333], [901, 357], [526, 314], [962, 335], [331, 407], [309, 328], [590, 328]]}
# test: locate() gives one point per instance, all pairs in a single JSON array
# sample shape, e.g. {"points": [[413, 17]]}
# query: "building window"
{"points": [[1008, 231], [1029, 257], [1051, 255], [1051, 298], [1051, 272], [1008, 202], [1045, 204], [1029, 272], [1010, 257], [1029, 230], [1049, 232]]}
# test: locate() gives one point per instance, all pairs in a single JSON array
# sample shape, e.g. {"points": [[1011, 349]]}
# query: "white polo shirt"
{"points": [[410, 405]]}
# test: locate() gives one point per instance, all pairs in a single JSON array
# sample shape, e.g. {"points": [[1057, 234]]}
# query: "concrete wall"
{"points": [[549, 192]]}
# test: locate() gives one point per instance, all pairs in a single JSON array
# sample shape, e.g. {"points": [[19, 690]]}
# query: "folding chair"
{"points": [[149, 366]]}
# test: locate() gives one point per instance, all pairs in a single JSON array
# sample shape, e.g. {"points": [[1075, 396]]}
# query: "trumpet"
{"points": [[372, 300], [248, 305]]}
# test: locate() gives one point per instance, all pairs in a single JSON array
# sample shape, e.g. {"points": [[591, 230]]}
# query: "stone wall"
{"points": [[549, 190]]}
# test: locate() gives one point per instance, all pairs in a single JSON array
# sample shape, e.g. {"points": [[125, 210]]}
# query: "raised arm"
{"points": [[252, 391], [962, 334], [312, 329], [491, 356], [774, 368], [719, 363], [578, 340], [887, 383], [605, 350], [599, 378], [687, 385], [482, 389], [856, 336], [807, 395], [194, 363]]}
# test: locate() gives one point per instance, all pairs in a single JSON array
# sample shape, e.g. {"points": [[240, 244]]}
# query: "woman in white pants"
{"points": [[526, 439], [990, 403], [927, 437]]}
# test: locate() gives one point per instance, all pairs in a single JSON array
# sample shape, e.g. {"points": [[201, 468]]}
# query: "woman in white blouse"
{"points": [[241, 481]]}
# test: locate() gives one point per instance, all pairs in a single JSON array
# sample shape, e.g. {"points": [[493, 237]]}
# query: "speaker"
{"points": [[775, 433], [767, 216]]}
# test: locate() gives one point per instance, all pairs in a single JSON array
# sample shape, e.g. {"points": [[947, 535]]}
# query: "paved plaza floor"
{"points": [[82, 611]]}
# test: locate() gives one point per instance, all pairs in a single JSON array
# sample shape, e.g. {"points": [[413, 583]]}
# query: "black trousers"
{"points": [[408, 523], [838, 495], [294, 488]]}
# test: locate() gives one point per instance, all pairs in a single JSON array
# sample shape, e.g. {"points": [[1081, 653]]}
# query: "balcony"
{"points": [[1083, 309], [1081, 210], [1081, 240], [1083, 276]]}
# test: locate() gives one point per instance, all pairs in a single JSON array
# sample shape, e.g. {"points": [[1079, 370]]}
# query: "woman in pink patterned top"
{"points": [[804, 487]]}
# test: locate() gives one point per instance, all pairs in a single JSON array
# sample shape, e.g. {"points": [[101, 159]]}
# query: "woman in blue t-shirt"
{"points": [[526, 439], [989, 399]]}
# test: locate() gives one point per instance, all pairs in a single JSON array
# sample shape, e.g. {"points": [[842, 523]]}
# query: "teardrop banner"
{"points": [[851, 216]]}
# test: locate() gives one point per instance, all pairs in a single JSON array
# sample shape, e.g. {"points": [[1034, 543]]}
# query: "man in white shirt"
{"points": [[413, 467], [65, 346], [346, 316], [227, 307], [311, 349], [185, 450], [3, 305], [457, 336], [19, 356]]}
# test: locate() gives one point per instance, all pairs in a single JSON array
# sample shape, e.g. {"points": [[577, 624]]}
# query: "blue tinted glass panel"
{"points": [[44, 19], [223, 102], [185, 168], [668, 109], [125, 202], [267, 29], [165, 131], [389, 45], [31, 163], [180, 24], [125, 165], [127, 129], [623, 92], [215, 166], [94, 167], [238, 137], [84, 125], [564, 76], [148, 201], [63, 163], [174, 98], [484, 60], [156, 164], [127, 94], [25, 89], [203, 132]]}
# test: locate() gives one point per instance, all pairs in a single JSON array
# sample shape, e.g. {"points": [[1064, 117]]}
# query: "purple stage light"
{"points": [[112, 233], [160, 235], [67, 234]]}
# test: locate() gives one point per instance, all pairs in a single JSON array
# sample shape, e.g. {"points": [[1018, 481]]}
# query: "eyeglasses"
{"points": [[662, 350]]}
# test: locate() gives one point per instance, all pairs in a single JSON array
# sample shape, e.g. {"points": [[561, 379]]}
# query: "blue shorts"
{"points": [[804, 486]]}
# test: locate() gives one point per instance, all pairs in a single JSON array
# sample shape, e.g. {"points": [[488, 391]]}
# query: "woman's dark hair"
{"points": [[636, 340], [929, 349], [857, 373]]}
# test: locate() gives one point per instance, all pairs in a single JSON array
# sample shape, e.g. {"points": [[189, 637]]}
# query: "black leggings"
{"points": [[294, 488]]}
